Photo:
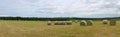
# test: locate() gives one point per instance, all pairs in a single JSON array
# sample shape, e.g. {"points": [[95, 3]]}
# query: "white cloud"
{"points": [[62, 7]]}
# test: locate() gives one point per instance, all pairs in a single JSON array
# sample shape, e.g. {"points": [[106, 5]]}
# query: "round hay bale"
{"points": [[59, 23], [83, 23], [105, 21], [113, 22], [89, 23], [69, 22], [49, 22], [56, 22]]}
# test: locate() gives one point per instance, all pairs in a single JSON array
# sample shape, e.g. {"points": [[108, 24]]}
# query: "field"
{"points": [[10, 28]]}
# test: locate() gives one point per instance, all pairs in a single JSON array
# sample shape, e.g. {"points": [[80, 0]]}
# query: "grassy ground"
{"points": [[41, 29]]}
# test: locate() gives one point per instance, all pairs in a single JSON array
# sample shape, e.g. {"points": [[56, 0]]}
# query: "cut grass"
{"points": [[10, 28]]}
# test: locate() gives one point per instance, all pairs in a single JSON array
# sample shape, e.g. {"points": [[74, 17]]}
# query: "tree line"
{"points": [[52, 19]]}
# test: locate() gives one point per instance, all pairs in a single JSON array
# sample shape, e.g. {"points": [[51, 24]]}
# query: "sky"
{"points": [[60, 8]]}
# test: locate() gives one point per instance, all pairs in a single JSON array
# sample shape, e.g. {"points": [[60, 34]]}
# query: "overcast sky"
{"points": [[60, 8]]}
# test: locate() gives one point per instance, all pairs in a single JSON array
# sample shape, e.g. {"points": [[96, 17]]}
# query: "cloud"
{"points": [[58, 8]]}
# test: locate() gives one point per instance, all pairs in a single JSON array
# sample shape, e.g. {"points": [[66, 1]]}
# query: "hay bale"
{"points": [[49, 22], [105, 21], [89, 22], [83, 23], [69, 22], [59, 23], [113, 22]]}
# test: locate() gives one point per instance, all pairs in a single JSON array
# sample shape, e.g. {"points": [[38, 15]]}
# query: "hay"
{"points": [[113, 22], [69, 22], [83, 23], [49, 22], [63, 23], [59, 23], [89, 23], [105, 21]]}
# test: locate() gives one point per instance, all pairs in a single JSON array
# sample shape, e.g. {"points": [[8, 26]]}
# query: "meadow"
{"points": [[12, 28]]}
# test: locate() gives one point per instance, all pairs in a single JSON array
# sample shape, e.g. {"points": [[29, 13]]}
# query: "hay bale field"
{"points": [[10, 28]]}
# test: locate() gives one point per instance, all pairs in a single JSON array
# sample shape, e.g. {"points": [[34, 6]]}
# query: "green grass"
{"points": [[9, 28]]}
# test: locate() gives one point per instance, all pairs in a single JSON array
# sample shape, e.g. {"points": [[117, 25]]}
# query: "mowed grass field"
{"points": [[9, 28]]}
